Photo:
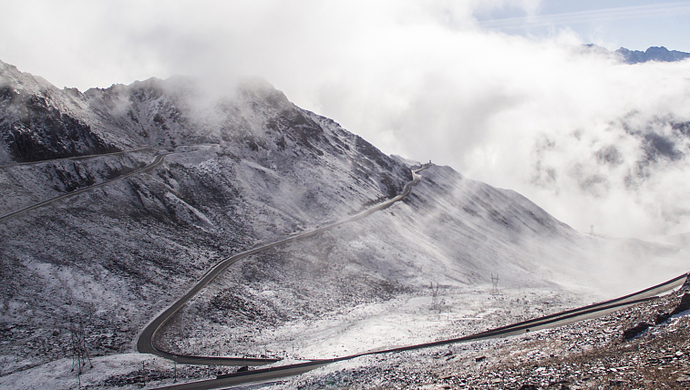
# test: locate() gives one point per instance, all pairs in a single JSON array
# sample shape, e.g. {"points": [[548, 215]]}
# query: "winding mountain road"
{"points": [[146, 342]]}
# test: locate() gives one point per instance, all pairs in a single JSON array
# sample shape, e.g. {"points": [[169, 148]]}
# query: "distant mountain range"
{"points": [[654, 53]]}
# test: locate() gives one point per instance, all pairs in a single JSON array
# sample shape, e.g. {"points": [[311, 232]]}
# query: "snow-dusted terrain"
{"points": [[242, 170]]}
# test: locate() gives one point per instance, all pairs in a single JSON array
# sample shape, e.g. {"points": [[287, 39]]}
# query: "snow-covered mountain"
{"points": [[243, 169], [653, 53]]}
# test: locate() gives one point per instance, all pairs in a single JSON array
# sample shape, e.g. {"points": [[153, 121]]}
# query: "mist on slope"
{"points": [[593, 141]]}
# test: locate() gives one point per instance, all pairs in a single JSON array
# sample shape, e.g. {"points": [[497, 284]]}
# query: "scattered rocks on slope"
{"points": [[592, 354]]}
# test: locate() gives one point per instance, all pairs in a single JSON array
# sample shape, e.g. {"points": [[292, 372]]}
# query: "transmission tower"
{"points": [[434, 296], [80, 354], [494, 282]]}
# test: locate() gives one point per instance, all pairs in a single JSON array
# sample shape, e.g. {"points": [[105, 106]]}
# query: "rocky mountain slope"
{"points": [[242, 169], [108, 255]]}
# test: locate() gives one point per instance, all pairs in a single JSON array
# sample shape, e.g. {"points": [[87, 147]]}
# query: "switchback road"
{"points": [[146, 342]]}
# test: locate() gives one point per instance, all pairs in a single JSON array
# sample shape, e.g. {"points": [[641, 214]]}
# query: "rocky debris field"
{"points": [[602, 353], [596, 354]]}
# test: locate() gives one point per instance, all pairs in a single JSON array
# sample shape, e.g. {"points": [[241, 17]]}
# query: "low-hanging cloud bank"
{"points": [[593, 141]]}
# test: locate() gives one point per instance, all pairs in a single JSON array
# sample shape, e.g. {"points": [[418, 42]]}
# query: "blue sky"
{"points": [[635, 24]]}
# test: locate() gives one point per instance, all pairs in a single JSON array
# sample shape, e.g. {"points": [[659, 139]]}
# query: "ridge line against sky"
{"points": [[598, 15]]}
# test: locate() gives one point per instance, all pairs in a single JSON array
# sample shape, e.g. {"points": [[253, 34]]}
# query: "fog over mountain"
{"points": [[419, 79], [247, 168]]}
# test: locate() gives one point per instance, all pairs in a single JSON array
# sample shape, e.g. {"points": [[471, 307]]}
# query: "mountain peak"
{"points": [[12, 77]]}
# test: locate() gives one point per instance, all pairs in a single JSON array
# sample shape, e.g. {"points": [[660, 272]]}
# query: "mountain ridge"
{"points": [[631, 57], [653, 53]]}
